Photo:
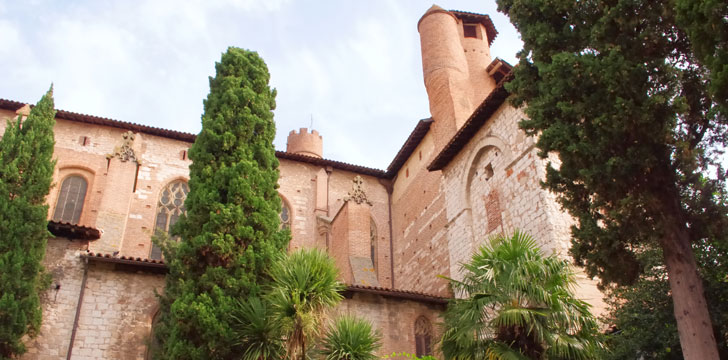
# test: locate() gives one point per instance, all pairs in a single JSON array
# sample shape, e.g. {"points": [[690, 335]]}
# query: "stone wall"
{"points": [[63, 263], [116, 314], [493, 186]]}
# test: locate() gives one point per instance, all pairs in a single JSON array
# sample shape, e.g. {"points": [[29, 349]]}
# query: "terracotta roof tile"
{"points": [[419, 132], [129, 260], [470, 17], [73, 231], [401, 294]]}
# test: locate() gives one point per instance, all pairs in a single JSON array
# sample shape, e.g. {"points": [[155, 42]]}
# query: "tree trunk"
{"points": [[691, 310]]}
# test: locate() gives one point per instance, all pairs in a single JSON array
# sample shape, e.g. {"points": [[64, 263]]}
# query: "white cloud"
{"points": [[354, 66]]}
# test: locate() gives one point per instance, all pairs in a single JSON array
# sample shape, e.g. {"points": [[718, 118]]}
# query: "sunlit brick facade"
{"points": [[464, 174]]}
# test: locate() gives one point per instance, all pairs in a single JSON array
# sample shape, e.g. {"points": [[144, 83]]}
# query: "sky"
{"points": [[350, 68]]}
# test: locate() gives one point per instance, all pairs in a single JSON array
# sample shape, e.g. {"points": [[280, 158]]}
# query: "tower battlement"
{"points": [[305, 143]]}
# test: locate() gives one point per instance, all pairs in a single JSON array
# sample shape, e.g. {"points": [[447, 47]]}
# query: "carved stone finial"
{"points": [[124, 151], [357, 192]]}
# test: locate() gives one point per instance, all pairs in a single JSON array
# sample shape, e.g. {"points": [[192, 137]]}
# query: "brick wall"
{"points": [[419, 219]]}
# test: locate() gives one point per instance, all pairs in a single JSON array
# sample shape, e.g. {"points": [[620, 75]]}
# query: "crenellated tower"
{"points": [[305, 143]]}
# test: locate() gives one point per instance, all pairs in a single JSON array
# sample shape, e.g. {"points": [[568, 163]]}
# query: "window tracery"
{"points": [[423, 337], [170, 207]]}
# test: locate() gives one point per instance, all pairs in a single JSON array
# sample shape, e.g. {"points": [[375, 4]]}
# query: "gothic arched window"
{"points": [[285, 215], [70, 200], [170, 207], [423, 337]]}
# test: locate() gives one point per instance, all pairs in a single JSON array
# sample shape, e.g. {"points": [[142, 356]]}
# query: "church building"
{"points": [[464, 174]]}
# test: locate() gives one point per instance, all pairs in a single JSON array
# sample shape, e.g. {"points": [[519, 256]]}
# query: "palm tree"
{"points": [[304, 285], [351, 338], [259, 336], [515, 303]]}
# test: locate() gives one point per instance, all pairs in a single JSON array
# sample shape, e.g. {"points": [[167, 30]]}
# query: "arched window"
{"points": [[70, 200], [423, 337], [373, 242], [153, 345], [169, 208], [285, 215]]}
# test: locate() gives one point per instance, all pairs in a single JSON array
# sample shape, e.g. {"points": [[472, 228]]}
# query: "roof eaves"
{"points": [[127, 260], [333, 163], [409, 146], [478, 18], [73, 231], [477, 119], [187, 137], [399, 294]]}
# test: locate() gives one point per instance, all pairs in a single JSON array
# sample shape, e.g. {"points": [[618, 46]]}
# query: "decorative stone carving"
{"points": [[124, 151], [357, 192]]}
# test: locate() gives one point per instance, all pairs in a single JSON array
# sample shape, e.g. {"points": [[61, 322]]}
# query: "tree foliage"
{"points": [[259, 335], [646, 308], [351, 338], [26, 170], [231, 231], [517, 304], [631, 104], [304, 285]]}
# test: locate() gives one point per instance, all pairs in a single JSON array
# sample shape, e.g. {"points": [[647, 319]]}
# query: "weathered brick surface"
{"points": [[418, 224]]}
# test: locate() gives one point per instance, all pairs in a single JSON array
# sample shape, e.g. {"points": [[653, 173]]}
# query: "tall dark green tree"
{"points": [[26, 170], [617, 89], [231, 230], [646, 308]]}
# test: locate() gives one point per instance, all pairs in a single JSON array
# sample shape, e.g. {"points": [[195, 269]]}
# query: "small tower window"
{"points": [[470, 30]]}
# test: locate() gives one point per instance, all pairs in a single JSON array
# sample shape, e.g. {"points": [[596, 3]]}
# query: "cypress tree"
{"points": [[618, 89], [26, 170], [231, 230]]}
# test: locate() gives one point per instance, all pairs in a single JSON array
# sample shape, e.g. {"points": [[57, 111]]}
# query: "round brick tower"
{"points": [[305, 143], [455, 55]]}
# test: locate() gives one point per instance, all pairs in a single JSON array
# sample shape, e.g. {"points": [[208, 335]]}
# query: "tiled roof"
{"points": [[477, 119], [400, 294], [469, 17], [73, 231], [409, 146], [160, 265], [187, 137], [129, 260], [333, 163]]}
